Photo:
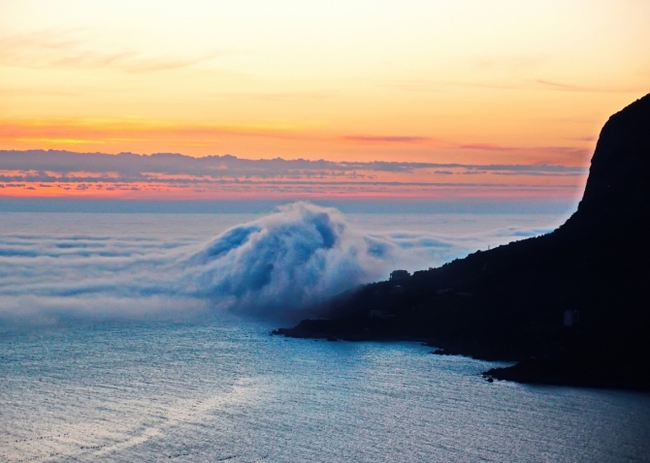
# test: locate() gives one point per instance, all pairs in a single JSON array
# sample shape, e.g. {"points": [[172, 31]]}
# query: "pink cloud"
{"points": [[386, 139]]}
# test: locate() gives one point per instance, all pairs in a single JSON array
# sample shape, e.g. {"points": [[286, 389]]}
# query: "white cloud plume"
{"points": [[277, 266], [286, 261]]}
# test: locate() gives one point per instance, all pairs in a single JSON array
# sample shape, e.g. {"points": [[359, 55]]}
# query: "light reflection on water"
{"points": [[227, 390]]}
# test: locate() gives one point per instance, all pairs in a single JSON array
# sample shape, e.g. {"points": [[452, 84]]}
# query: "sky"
{"points": [[458, 97]]}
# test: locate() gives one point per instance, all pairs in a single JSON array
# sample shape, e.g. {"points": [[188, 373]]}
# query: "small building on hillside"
{"points": [[396, 275]]}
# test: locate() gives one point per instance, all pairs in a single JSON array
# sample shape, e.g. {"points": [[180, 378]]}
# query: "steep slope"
{"points": [[573, 304]]}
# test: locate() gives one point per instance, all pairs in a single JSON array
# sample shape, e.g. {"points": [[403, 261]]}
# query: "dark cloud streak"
{"points": [[59, 166]]}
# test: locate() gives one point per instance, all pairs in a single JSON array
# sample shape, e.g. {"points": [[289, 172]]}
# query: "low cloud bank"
{"points": [[277, 266], [164, 176], [286, 262], [56, 166]]}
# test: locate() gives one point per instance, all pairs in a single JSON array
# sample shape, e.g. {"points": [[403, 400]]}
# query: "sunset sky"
{"points": [[445, 88]]}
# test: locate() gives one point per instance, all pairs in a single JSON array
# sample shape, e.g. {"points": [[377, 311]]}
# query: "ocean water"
{"points": [[97, 363]]}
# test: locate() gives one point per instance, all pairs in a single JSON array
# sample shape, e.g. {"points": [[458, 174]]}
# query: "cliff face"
{"points": [[619, 177], [510, 302]]}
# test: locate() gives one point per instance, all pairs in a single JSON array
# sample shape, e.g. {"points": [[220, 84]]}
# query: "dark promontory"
{"points": [[572, 306]]}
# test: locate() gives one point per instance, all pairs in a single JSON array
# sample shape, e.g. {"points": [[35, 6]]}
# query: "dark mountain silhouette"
{"points": [[572, 306]]}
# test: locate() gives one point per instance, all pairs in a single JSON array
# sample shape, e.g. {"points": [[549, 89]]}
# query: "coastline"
{"points": [[570, 306]]}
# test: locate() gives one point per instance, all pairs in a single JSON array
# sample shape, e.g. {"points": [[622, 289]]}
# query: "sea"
{"points": [[146, 337]]}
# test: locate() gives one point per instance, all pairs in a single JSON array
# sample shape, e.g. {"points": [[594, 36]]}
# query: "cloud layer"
{"points": [[274, 267], [165, 175], [286, 261], [134, 166], [277, 266]]}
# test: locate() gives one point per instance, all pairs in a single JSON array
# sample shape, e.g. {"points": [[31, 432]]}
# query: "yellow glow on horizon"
{"points": [[438, 81]]}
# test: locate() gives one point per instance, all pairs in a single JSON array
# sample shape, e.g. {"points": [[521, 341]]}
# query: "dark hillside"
{"points": [[573, 305]]}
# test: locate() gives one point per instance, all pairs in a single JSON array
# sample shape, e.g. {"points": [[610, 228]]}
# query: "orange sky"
{"points": [[490, 82]]}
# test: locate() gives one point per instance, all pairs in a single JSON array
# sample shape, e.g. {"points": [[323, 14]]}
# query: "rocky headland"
{"points": [[572, 307]]}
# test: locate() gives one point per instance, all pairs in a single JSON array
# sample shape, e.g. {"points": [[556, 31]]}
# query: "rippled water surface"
{"points": [[219, 388], [227, 390]]}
